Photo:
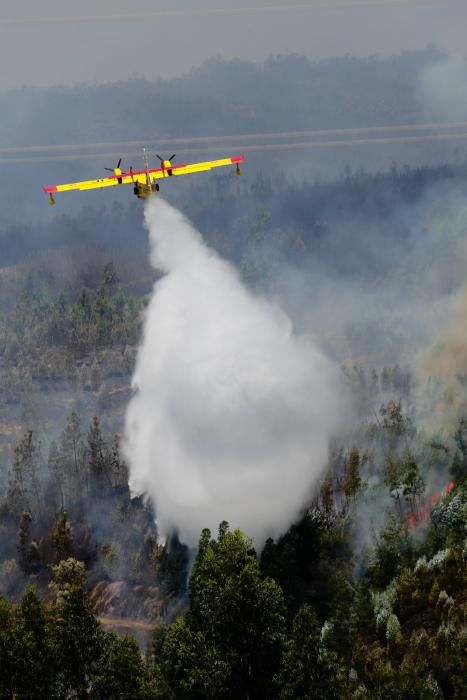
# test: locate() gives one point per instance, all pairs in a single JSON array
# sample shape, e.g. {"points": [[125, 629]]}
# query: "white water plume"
{"points": [[232, 413]]}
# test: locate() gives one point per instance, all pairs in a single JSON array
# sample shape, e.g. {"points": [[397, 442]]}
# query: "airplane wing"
{"points": [[111, 181], [131, 177], [196, 167]]}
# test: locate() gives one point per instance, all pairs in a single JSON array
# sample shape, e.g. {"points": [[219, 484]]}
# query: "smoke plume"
{"points": [[443, 89], [232, 413]]}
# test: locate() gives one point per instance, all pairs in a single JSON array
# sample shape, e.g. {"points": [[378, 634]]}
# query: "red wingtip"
{"points": [[238, 159]]}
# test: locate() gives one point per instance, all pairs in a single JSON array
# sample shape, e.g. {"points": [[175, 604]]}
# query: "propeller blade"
{"points": [[109, 169], [119, 163], [161, 159], [172, 157]]}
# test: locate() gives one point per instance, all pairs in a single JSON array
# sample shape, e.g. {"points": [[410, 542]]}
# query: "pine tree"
{"points": [[34, 662], [120, 670], [76, 637], [230, 643], [7, 652], [57, 472], [110, 277], [99, 467], [352, 480], [26, 466], [310, 667], [413, 485], [62, 537], [327, 495], [117, 467], [72, 453]]}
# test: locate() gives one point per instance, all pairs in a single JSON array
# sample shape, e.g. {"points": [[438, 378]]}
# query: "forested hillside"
{"points": [[224, 97], [317, 627], [367, 588]]}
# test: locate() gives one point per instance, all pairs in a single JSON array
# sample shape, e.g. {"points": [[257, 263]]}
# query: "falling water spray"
{"points": [[232, 413]]}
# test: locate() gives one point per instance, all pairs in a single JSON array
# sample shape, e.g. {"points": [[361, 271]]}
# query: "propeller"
{"points": [[162, 160], [111, 170]]}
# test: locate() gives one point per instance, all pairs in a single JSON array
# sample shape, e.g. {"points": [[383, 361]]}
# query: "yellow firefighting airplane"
{"points": [[144, 181]]}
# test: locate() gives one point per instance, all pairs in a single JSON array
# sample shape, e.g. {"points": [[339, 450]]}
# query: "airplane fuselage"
{"points": [[143, 191]]}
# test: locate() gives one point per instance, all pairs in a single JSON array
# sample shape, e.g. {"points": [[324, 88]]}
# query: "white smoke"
{"points": [[232, 413], [443, 90]]}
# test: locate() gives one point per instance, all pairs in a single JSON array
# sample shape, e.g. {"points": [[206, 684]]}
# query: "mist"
{"points": [[443, 89], [232, 412]]}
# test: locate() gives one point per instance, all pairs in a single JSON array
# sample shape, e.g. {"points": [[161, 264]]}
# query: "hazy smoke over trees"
{"points": [[232, 412], [442, 89]]}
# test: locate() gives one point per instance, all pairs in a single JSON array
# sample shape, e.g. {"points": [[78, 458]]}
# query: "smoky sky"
{"points": [[53, 42]]}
